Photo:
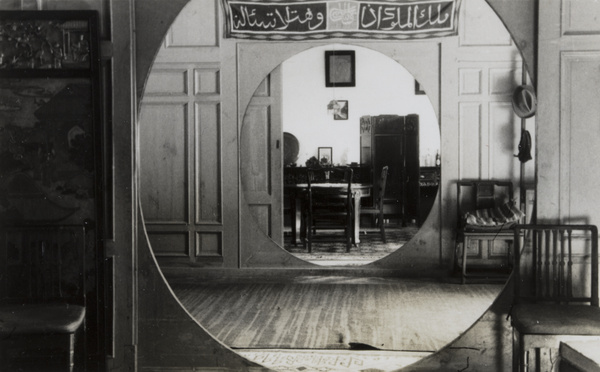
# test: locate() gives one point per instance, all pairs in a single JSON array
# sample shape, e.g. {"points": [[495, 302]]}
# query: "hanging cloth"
{"points": [[524, 147]]}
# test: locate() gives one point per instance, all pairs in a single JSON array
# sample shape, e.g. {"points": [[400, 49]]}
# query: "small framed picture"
{"points": [[339, 68], [341, 112], [325, 155]]}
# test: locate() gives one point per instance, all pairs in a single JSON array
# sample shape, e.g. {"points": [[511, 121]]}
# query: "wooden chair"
{"points": [[377, 208], [42, 308], [329, 204], [556, 291], [481, 206]]}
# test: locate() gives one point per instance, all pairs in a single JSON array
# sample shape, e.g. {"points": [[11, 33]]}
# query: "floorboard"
{"points": [[336, 312]]}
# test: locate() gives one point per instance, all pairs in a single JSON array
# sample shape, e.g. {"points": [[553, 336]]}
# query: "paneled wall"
{"points": [[180, 137], [183, 116], [569, 118], [488, 69]]}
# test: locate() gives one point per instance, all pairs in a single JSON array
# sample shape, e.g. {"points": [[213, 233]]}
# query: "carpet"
{"points": [[331, 360], [371, 248]]}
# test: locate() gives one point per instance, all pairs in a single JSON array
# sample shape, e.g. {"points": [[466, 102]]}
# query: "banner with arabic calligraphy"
{"points": [[298, 20]]}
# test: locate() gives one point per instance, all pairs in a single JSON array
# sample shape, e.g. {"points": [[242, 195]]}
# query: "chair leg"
{"points": [[349, 233], [464, 261], [516, 349], [308, 238], [382, 227]]}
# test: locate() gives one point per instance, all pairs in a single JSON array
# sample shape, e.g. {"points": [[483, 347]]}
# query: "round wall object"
{"points": [[291, 148], [524, 101]]}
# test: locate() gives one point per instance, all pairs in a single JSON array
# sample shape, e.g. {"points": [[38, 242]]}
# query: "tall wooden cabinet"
{"points": [[393, 141]]}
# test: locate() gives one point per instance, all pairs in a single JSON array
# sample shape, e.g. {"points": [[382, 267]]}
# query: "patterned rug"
{"points": [[371, 248], [331, 360]]}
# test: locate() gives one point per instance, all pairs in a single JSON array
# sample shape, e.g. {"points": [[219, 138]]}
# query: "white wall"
{"points": [[382, 87]]}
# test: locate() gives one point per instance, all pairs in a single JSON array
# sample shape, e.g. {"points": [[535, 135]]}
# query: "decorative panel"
{"points": [[206, 81], [163, 157], [580, 135], [169, 243], [580, 17], [480, 26], [195, 26], [262, 214], [470, 137], [505, 129], [257, 154], [209, 244], [503, 80], [208, 163], [167, 82], [470, 81]]}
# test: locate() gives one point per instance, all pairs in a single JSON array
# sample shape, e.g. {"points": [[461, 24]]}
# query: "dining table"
{"points": [[297, 192]]}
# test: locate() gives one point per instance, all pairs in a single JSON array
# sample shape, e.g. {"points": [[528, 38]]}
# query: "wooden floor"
{"points": [[336, 312]]}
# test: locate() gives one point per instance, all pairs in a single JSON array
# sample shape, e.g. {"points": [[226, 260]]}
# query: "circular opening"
{"points": [[384, 120]]}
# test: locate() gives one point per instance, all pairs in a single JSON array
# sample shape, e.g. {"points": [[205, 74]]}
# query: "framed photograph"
{"points": [[325, 155], [341, 112], [418, 89], [340, 68]]}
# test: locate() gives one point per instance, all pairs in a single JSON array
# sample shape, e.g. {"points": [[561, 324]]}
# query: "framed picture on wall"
{"points": [[340, 68], [325, 155], [341, 112]]}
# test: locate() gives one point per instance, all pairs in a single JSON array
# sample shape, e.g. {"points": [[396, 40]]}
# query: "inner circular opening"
{"points": [[362, 127]]}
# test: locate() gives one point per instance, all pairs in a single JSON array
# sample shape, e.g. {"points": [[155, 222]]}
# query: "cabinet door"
{"points": [[387, 150]]}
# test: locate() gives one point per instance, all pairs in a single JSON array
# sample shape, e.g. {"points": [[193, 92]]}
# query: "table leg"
{"points": [[293, 217], [357, 218]]}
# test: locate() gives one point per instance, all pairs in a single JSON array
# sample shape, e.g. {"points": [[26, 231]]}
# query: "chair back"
{"points": [[330, 196], [381, 188], [43, 263], [556, 263], [479, 194]]}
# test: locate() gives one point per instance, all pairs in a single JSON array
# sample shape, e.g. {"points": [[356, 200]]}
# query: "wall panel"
{"points": [[164, 163], [208, 165], [485, 29], [504, 139], [580, 17], [503, 80], [206, 81], [470, 82], [580, 134], [209, 244], [195, 27], [171, 82], [187, 72], [469, 128], [169, 244], [257, 129]]}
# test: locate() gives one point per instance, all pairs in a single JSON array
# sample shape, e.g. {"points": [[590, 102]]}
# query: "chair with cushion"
{"points": [[42, 304], [486, 213], [329, 205], [377, 208], [555, 292]]}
